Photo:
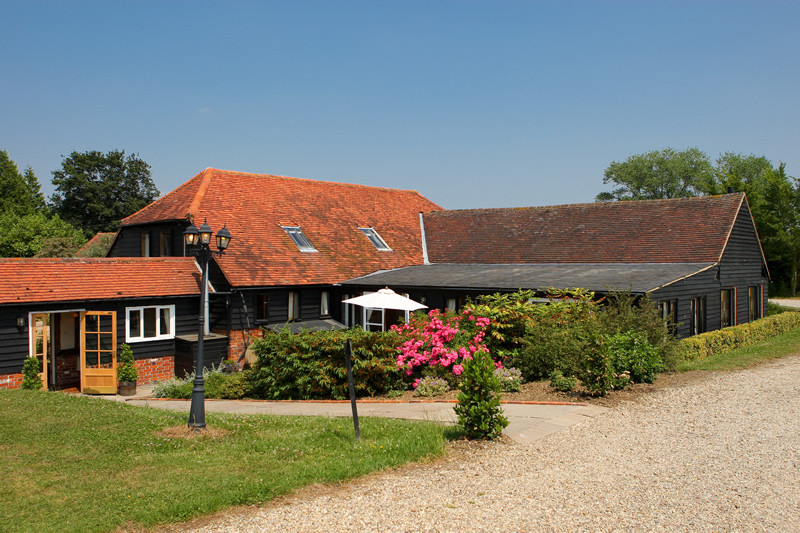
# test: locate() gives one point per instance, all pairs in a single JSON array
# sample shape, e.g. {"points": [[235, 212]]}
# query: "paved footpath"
{"points": [[527, 422]]}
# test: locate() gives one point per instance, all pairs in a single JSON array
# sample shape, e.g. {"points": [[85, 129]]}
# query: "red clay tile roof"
{"points": [[62, 280], [255, 206], [690, 230]]}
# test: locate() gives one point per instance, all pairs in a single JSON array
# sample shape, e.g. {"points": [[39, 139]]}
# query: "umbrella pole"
{"points": [[348, 352]]}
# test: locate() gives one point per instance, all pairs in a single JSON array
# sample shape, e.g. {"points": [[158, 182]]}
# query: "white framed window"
{"points": [[149, 323], [375, 239], [299, 238]]}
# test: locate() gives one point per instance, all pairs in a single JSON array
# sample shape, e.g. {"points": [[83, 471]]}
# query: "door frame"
{"points": [[101, 379], [47, 345]]}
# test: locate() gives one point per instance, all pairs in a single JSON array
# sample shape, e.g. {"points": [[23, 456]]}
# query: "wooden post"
{"points": [[348, 351]]}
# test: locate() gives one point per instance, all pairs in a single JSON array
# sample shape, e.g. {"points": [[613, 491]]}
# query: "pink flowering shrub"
{"points": [[440, 343]]}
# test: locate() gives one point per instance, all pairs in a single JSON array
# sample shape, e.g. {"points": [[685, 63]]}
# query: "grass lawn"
{"points": [[780, 346], [74, 463]]}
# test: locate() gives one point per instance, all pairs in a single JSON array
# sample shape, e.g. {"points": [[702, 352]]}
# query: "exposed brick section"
{"points": [[238, 340], [155, 369], [67, 372], [10, 381], [150, 370], [84, 279], [685, 230], [255, 206]]}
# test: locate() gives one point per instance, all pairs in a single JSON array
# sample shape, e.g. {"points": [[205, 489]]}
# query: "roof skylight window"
{"points": [[299, 238], [375, 239]]}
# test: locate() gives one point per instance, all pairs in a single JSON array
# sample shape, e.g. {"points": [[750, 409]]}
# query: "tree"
{"points": [[658, 174], [780, 228], [94, 191], [19, 193], [37, 234]]}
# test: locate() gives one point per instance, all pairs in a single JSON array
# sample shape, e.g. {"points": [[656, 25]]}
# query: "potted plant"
{"points": [[127, 374]]}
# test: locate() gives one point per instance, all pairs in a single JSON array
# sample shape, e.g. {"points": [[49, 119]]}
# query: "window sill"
{"points": [[150, 339]]}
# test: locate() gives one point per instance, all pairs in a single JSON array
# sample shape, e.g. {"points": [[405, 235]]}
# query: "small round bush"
{"points": [[562, 383], [478, 408], [30, 374], [431, 386], [510, 379]]}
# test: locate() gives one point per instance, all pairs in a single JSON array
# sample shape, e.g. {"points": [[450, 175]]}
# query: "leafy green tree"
{"points": [[19, 193], [94, 191], [780, 228], [658, 174], [37, 234]]}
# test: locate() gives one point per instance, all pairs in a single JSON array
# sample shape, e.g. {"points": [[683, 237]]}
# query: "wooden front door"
{"points": [[40, 343], [99, 352]]}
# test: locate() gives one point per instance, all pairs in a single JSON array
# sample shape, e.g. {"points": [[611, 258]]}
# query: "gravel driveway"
{"points": [[722, 454]]}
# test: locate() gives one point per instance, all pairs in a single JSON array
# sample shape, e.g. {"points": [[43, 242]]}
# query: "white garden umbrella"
{"points": [[385, 299]]}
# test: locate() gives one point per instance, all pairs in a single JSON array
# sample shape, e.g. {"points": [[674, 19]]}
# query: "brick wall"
{"points": [[10, 381], [150, 370], [67, 372], [155, 369], [239, 339]]}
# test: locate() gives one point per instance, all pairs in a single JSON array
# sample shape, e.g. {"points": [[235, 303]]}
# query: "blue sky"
{"points": [[472, 103]]}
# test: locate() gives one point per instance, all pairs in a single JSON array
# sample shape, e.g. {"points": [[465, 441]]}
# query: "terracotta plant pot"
{"points": [[126, 388]]}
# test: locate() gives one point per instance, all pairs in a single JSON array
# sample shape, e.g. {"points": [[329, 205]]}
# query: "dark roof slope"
{"points": [[685, 230], [63, 280], [255, 206], [637, 278]]}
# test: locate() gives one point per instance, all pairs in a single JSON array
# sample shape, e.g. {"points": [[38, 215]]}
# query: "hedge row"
{"points": [[729, 339], [311, 365]]}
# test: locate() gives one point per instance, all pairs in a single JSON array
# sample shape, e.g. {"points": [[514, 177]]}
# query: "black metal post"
{"points": [[348, 350], [197, 411]]}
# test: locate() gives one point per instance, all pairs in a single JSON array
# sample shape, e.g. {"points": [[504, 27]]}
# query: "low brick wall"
{"points": [[10, 381], [155, 369], [150, 370]]}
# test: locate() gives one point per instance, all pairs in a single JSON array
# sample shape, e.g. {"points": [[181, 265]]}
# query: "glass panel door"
{"points": [[40, 343], [99, 352]]}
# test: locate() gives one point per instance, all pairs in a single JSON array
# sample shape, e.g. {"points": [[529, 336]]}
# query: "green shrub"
{"points": [[631, 352], [597, 371], [30, 374], [311, 365], [776, 309], [624, 313], [510, 378], [431, 386], [551, 344], [217, 384], [478, 408], [126, 366], [562, 383], [175, 388], [235, 386], [520, 323]]}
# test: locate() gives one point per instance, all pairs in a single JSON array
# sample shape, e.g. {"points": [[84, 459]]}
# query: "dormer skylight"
{"points": [[375, 239], [299, 238]]}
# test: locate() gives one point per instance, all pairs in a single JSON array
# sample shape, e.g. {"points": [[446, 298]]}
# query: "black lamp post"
{"points": [[198, 244]]}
